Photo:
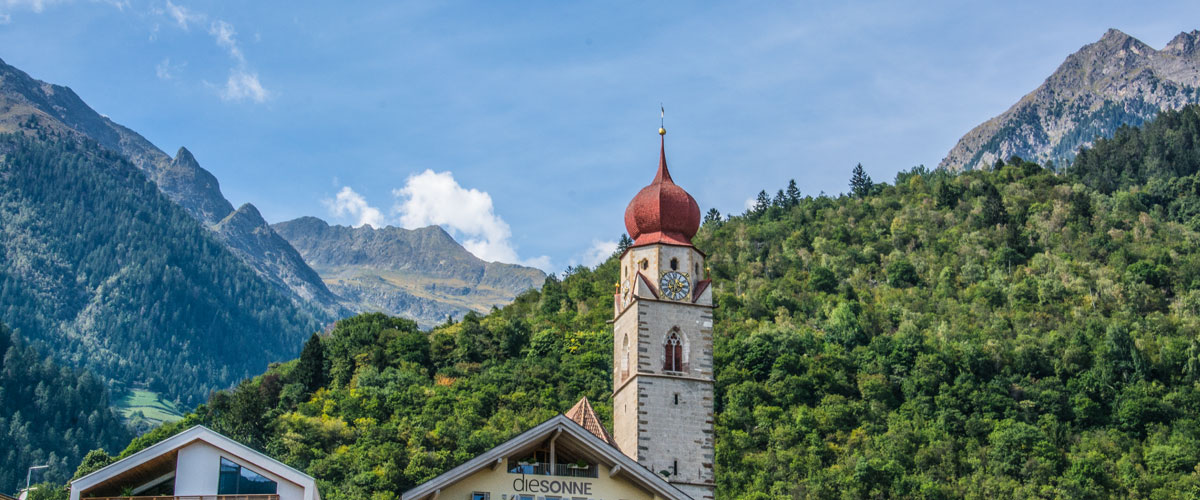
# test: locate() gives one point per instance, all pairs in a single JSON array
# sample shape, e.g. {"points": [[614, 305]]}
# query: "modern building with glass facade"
{"points": [[197, 463]]}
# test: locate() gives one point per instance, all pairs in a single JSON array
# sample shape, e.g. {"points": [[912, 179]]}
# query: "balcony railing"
{"points": [[543, 469], [192, 497]]}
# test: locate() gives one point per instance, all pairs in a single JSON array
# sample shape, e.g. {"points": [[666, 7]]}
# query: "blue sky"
{"points": [[525, 128]]}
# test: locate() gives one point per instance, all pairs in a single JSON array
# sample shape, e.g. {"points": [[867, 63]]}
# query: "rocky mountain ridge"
{"points": [[27, 102], [1118, 80], [416, 273]]}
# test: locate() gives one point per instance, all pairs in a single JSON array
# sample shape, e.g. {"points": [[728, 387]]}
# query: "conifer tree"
{"points": [[624, 243], [761, 203], [793, 193], [310, 370], [713, 216], [860, 182]]}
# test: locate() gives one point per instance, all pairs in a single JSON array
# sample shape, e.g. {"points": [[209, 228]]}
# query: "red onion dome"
{"points": [[662, 212]]}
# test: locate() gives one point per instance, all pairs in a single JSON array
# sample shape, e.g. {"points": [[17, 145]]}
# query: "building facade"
{"points": [[662, 339]]}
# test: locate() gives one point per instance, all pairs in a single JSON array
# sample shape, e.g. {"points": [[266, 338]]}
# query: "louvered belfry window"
{"points": [[674, 354]]}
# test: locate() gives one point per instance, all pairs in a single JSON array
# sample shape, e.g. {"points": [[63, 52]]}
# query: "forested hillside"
{"points": [[1002, 333], [52, 415], [101, 270]]}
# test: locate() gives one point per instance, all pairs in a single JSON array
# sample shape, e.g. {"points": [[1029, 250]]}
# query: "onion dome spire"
{"points": [[662, 212]]}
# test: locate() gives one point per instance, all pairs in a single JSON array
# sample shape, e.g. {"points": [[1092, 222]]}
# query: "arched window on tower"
{"points": [[673, 361], [625, 358], [674, 264]]}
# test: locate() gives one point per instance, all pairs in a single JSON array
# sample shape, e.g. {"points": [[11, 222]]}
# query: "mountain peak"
{"points": [[1115, 35], [1184, 43], [183, 156], [1114, 81], [1114, 43]]}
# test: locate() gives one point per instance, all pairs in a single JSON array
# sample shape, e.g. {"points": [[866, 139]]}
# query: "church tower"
{"points": [[662, 339]]}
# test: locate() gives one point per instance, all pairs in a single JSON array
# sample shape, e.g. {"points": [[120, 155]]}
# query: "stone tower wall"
{"points": [[664, 420]]}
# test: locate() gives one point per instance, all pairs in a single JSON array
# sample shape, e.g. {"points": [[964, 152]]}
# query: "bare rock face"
{"points": [[1115, 81], [422, 274], [181, 179], [250, 237]]}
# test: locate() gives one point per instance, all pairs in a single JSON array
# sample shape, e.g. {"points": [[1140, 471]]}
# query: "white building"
{"points": [[197, 464]]}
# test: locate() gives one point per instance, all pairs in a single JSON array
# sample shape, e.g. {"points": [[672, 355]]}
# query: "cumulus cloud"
{"points": [[598, 252], [432, 197], [351, 204]]}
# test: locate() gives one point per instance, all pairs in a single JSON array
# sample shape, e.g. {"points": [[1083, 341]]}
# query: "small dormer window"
{"points": [[674, 264]]}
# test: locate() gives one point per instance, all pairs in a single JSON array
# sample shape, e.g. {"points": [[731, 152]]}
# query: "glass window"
{"points": [[238, 480], [480, 496], [227, 483]]}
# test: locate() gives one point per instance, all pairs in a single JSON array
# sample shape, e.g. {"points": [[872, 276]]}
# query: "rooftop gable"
{"points": [[192, 435], [558, 427]]}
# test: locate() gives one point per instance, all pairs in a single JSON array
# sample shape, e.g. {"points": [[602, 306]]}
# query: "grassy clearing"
{"points": [[146, 407]]}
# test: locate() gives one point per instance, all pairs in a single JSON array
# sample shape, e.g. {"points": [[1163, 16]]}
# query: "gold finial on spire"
{"points": [[662, 117]]}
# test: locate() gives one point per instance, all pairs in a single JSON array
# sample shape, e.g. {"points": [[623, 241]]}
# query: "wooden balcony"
{"points": [[192, 497]]}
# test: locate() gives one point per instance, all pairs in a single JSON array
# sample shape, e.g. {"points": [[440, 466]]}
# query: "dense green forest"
{"points": [[52, 415], [1009, 333], [102, 271]]}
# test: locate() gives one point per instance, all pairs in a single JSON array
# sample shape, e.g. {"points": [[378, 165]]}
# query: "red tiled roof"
{"points": [[662, 212], [700, 287], [583, 414]]}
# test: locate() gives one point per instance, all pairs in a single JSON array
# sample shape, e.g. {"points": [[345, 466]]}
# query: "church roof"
{"points": [[583, 414], [662, 212]]}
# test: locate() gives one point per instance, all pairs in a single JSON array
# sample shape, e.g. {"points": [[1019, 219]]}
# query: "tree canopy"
{"points": [[1010, 333]]}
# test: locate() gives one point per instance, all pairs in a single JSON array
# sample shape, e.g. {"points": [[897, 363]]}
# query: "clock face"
{"points": [[674, 285], [625, 292]]}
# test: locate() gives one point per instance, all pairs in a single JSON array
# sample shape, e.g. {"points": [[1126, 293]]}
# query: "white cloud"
{"points": [[352, 204], [167, 71], [225, 36], [183, 16], [436, 198], [598, 252], [34, 5], [243, 85], [751, 202]]}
